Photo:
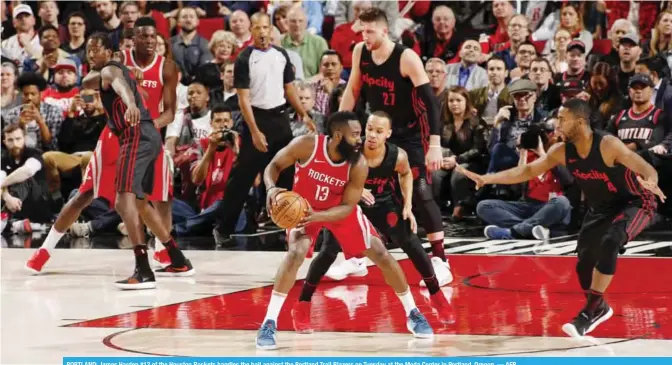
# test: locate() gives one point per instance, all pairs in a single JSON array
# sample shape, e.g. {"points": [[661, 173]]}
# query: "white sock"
{"points": [[52, 239], [407, 301], [274, 306], [158, 245]]}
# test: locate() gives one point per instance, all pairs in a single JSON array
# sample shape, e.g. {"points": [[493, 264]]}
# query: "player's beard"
{"points": [[349, 152]]}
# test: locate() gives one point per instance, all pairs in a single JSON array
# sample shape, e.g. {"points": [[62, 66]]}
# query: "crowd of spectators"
{"points": [[500, 70]]}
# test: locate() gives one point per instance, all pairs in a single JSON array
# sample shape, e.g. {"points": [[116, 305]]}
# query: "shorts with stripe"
{"points": [[139, 147], [623, 223], [353, 233]]}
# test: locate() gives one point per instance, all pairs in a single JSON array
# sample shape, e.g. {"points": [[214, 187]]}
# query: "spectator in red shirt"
{"points": [[347, 35], [210, 171]]}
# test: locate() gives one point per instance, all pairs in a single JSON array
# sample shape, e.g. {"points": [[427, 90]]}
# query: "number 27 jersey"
{"points": [[319, 180]]}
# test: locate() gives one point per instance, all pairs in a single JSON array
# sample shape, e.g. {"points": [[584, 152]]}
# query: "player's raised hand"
{"points": [[434, 158], [652, 186], [407, 213], [132, 115], [478, 179], [367, 197], [271, 195]]}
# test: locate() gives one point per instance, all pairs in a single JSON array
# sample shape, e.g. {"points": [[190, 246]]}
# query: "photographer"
{"points": [[79, 134], [210, 168], [544, 209]]}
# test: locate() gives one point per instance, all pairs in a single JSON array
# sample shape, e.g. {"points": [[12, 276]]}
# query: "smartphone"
{"points": [[87, 98]]}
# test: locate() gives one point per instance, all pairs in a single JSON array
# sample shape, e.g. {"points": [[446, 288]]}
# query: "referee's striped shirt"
{"points": [[265, 73]]}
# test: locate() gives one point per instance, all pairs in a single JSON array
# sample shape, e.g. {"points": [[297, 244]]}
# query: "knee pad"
{"points": [[612, 243]]}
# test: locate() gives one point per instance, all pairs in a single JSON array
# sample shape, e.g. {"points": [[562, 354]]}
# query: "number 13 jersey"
{"points": [[319, 180]]}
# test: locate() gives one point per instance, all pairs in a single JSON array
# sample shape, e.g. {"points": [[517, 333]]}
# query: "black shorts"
{"points": [[139, 148], [416, 157], [626, 222], [388, 220]]}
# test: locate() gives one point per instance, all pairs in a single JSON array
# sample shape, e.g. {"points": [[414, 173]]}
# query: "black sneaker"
{"points": [[171, 270], [585, 323], [137, 281]]}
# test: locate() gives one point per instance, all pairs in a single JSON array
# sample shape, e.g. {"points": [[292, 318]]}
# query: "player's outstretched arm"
{"points": [[403, 168], [353, 87], [351, 195], [517, 175]]}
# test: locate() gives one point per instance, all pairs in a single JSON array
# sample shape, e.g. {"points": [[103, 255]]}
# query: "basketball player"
{"points": [[386, 201], [391, 78], [330, 175], [140, 145], [618, 186], [159, 81]]}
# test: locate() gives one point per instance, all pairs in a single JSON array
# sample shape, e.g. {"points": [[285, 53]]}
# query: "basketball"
{"points": [[289, 209]]}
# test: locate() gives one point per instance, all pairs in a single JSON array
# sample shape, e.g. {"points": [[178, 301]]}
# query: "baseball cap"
{"points": [[522, 85], [576, 44], [630, 38], [640, 79], [65, 63], [21, 9]]}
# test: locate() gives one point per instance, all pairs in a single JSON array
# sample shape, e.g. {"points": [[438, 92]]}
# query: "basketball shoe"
{"points": [[586, 322]]}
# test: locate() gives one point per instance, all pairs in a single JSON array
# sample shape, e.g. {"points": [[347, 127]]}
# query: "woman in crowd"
{"points": [[463, 143]]}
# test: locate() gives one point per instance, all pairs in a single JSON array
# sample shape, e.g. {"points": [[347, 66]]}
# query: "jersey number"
{"points": [[322, 193], [389, 98]]}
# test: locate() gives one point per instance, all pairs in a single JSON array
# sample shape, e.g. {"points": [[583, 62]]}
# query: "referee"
{"points": [[262, 76]]}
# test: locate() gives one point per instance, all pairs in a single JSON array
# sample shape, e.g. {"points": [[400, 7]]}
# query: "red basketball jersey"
{"points": [[319, 180], [152, 81]]}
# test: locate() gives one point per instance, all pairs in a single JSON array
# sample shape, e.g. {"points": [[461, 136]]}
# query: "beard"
{"points": [[349, 152]]}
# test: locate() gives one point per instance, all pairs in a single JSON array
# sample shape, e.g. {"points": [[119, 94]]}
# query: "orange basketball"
{"points": [[289, 209]]}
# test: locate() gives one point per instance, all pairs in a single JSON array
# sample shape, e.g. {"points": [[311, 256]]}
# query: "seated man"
{"points": [[544, 208], [210, 169], [23, 183]]}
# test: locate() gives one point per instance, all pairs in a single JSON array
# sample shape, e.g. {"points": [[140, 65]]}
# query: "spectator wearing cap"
{"points": [[347, 35], [64, 88], [41, 121], [576, 64], [518, 31], [605, 97], [510, 123], [521, 68], [620, 28], [547, 93], [640, 127], [488, 100], [25, 43], [51, 55], [662, 89], [329, 78], [467, 73], [440, 40], [629, 52], [190, 50], [48, 13], [309, 46]]}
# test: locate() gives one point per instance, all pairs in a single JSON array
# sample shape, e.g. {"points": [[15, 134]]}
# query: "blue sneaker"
{"points": [[497, 233], [418, 325], [266, 336]]}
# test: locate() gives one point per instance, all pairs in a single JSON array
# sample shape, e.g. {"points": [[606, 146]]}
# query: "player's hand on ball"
{"points": [[367, 197], [407, 213], [434, 159], [271, 195], [652, 186], [132, 115]]}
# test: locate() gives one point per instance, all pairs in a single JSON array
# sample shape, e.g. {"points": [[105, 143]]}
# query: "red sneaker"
{"points": [[35, 264], [162, 258], [301, 316], [445, 309]]}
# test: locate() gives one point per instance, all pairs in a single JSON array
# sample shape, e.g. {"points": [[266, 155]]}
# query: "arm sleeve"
{"points": [[430, 114], [241, 71]]}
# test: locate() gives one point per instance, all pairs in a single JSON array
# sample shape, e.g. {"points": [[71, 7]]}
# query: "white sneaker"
{"points": [[442, 272], [80, 229], [353, 267]]}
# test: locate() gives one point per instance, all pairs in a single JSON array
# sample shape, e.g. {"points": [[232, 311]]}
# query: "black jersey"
{"points": [[384, 88], [114, 105], [604, 187], [383, 180], [638, 128]]}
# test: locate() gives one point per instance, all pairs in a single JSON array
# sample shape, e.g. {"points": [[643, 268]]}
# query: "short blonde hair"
{"points": [[222, 36]]}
